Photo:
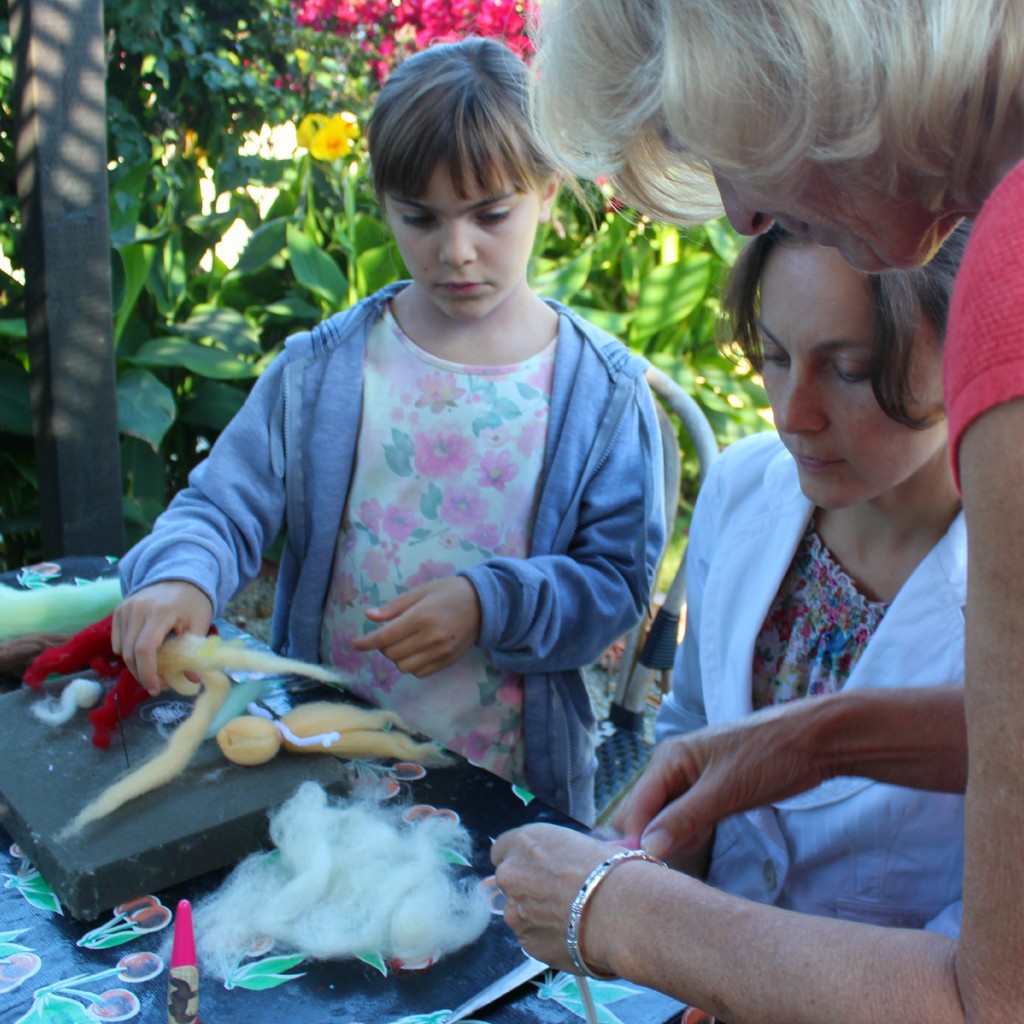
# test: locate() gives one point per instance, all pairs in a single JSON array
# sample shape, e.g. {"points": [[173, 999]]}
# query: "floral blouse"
{"points": [[446, 476], [815, 630]]}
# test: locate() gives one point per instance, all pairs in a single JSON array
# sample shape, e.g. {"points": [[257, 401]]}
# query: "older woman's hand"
{"points": [[540, 868]]}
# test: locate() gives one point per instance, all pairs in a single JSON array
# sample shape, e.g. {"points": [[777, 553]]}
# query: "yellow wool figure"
{"points": [[181, 661], [325, 727]]}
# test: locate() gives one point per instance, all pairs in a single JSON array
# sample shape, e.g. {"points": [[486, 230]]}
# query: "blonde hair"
{"points": [[656, 93]]}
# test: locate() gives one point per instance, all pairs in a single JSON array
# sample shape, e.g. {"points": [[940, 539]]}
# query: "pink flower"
{"points": [[369, 514], [345, 589], [475, 746], [463, 507], [531, 438], [389, 28], [496, 469], [485, 535], [399, 522], [541, 378], [439, 391], [441, 454], [343, 655], [384, 673], [375, 565], [511, 689]]}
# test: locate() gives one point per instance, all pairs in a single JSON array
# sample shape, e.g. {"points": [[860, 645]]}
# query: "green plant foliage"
{"points": [[195, 321]]}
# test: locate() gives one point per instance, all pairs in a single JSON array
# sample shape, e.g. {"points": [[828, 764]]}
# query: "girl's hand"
{"points": [[143, 622], [428, 628], [540, 868]]}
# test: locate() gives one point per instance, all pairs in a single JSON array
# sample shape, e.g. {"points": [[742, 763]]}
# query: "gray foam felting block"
{"points": [[214, 814]]}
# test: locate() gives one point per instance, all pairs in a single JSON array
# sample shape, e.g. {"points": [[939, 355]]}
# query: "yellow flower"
{"points": [[335, 138], [308, 127]]}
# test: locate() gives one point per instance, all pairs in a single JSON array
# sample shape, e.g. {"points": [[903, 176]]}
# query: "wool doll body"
{"points": [[469, 476]]}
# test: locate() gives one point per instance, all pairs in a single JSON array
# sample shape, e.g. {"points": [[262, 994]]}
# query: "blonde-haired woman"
{"points": [[873, 126]]}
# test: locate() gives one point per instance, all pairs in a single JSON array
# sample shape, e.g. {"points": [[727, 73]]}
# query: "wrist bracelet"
{"points": [[579, 903]]}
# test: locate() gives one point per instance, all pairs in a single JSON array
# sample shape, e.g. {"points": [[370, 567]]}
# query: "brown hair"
{"points": [[901, 299], [463, 106]]}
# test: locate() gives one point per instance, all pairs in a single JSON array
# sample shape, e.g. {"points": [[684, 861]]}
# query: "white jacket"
{"points": [[849, 848]]}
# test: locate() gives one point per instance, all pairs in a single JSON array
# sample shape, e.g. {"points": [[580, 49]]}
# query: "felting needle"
{"points": [[587, 999]]}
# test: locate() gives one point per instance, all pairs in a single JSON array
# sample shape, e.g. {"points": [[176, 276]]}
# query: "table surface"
{"points": [[54, 967]]}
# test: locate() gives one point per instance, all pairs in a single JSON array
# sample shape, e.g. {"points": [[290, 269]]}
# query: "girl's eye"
{"points": [[416, 220], [494, 216]]}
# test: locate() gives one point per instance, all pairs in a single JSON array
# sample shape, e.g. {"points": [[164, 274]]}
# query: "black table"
{"points": [[56, 968]]}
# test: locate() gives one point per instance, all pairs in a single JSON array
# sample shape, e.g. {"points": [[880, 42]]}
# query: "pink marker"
{"points": [[183, 979]]}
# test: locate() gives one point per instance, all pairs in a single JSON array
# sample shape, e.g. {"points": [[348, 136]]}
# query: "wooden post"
{"points": [[60, 97]]}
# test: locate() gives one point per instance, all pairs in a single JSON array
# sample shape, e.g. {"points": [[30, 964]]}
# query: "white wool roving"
{"points": [[79, 693], [349, 877]]}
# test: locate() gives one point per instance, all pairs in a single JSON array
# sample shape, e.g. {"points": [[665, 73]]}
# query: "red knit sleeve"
{"points": [[984, 352]]}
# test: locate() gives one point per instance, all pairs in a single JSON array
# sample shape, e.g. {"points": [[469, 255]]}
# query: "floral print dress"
{"points": [[446, 476], [816, 629]]}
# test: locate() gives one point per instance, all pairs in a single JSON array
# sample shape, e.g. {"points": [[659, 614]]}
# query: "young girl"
{"points": [[469, 476], [832, 555]]}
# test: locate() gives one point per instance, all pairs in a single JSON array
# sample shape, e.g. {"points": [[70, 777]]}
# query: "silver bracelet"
{"points": [[579, 903]]}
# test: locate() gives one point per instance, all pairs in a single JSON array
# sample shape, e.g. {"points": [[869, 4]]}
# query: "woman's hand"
{"points": [[540, 868], [695, 780], [428, 628], [143, 621], [912, 737]]}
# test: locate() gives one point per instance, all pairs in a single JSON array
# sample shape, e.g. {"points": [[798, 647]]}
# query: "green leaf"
{"points": [[399, 454], [15, 404], [315, 269], [431, 501], [565, 282], [292, 308], [487, 421], [130, 267], [211, 405], [180, 353], [53, 1008], [266, 242], [14, 328], [669, 293], [507, 409], [615, 323], [376, 268], [127, 187], [375, 960], [524, 794], [224, 325], [145, 407], [724, 240], [266, 973]]}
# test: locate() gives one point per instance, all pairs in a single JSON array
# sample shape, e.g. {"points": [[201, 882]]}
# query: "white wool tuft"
{"points": [[79, 693], [348, 877]]}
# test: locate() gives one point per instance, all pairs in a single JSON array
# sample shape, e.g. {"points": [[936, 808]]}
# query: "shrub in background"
{"points": [[227, 236]]}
